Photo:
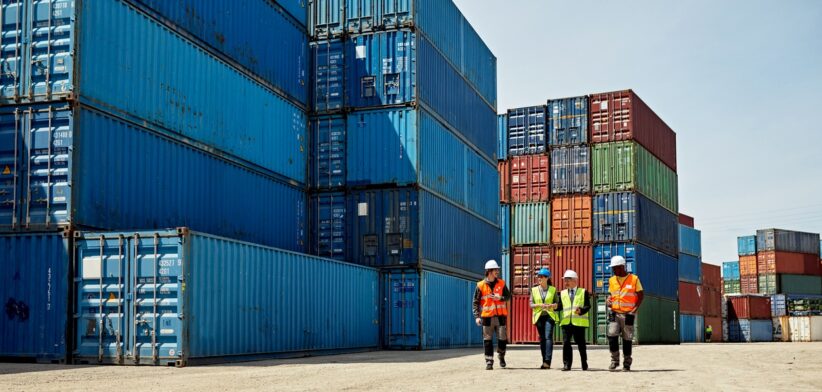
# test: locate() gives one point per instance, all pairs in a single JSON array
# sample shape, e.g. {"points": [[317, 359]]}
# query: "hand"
{"points": [[553, 306], [478, 321], [578, 312], [608, 302], [496, 297]]}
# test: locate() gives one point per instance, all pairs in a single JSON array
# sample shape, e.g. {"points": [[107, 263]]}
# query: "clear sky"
{"points": [[740, 81]]}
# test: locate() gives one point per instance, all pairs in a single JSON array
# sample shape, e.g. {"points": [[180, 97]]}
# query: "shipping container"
{"points": [[748, 266], [441, 22], [133, 288], [407, 146], [396, 227], [804, 305], [622, 115], [34, 286], [568, 121], [427, 310], [692, 328], [504, 170], [578, 258], [711, 301], [502, 137], [773, 262], [749, 307], [746, 246], [505, 263], [571, 220], [690, 268], [522, 330], [328, 76], [526, 261], [531, 224], [748, 331], [779, 305], [749, 284], [806, 329], [327, 225], [328, 155], [526, 131], [781, 329], [690, 298], [530, 175], [686, 220], [787, 241], [690, 241], [571, 170], [627, 166], [657, 321], [629, 217], [656, 271], [730, 270], [767, 284], [248, 121], [798, 284], [731, 286], [505, 226], [820, 249], [716, 325], [89, 169], [233, 30], [711, 275]]}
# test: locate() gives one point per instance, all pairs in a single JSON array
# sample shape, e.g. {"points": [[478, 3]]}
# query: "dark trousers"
{"points": [[578, 333], [545, 329]]}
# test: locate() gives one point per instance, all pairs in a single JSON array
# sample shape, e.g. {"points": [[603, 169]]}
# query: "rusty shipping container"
{"points": [[571, 220], [711, 275], [715, 322], [526, 261], [686, 220], [504, 169], [530, 176], [711, 301], [748, 265], [622, 115], [690, 298], [749, 307], [774, 262], [749, 284]]}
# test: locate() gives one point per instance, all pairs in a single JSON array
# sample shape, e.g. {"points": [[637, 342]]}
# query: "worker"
{"points": [[491, 313], [625, 298], [543, 297], [708, 332], [573, 304]]}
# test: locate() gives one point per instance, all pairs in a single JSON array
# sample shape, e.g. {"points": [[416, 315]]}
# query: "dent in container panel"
{"points": [[568, 121], [530, 177], [629, 216], [526, 131], [328, 76], [328, 163], [622, 115], [570, 170], [93, 170]]}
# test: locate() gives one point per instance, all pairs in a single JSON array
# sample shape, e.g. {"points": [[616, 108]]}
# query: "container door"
{"points": [[10, 166], [12, 49], [401, 310], [49, 71], [360, 15], [102, 298], [156, 310], [395, 14]]}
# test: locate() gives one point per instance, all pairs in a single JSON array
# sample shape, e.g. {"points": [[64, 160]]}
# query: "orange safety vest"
{"points": [[624, 300], [491, 307]]}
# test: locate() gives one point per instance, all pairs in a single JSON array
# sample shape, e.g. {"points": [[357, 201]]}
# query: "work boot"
{"points": [[545, 365], [489, 366], [614, 366], [502, 363], [585, 366], [626, 368]]}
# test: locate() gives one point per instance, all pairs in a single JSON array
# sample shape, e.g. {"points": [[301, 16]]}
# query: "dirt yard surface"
{"points": [[715, 367]]}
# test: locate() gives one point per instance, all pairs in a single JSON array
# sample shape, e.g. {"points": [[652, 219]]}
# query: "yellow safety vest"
{"points": [[536, 294], [569, 315]]}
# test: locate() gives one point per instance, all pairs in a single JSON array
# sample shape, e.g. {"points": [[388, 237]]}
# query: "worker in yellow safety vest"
{"points": [[626, 296], [543, 298], [573, 305], [709, 331], [491, 313]]}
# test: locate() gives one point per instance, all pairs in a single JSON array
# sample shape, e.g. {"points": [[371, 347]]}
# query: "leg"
{"points": [[502, 338], [548, 353], [614, 331], [627, 340], [540, 325], [567, 353], [488, 342], [579, 339]]}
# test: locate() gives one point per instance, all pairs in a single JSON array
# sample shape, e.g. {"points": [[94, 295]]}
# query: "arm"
{"points": [[506, 294], [475, 304], [586, 306], [533, 305], [558, 302], [640, 295]]}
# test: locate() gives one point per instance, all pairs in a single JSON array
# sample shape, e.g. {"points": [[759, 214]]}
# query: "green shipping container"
{"points": [[657, 322], [732, 287], [799, 284], [627, 166], [531, 224], [767, 284]]}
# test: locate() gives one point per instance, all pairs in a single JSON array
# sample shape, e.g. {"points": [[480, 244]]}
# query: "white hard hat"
{"points": [[617, 261], [491, 264], [570, 274]]}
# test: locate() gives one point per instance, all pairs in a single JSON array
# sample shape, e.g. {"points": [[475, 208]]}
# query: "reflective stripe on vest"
{"points": [[536, 294], [624, 300], [491, 307], [569, 308]]}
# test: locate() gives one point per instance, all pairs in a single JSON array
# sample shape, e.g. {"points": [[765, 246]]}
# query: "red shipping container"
{"points": [[579, 258], [749, 284], [711, 275], [526, 261], [756, 307], [504, 169], [686, 220], [716, 324], [690, 298], [571, 220], [748, 266], [521, 329], [711, 301], [622, 115], [530, 179], [787, 263]]}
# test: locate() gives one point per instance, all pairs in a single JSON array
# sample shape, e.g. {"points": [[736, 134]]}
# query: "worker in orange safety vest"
{"points": [[491, 313], [626, 296]]}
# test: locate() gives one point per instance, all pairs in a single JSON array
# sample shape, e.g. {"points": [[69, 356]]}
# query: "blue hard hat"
{"points": [[544, 272]]}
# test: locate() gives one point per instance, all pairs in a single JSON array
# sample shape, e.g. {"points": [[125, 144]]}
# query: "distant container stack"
{"points": [[691, 289], [404, 154]]}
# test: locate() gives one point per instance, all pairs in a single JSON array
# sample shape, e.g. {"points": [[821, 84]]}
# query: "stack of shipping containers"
{"points": [[198, 125], [749, 318], [692, 321], [404, 152], [712, 299]]}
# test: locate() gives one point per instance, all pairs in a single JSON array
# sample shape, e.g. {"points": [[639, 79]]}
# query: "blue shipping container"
{"points": [[505, 263], [405, 146], [428, 310], [237, 115], [526, 131], [690, 268], [328, 76], [327, 225], [690, 241], [161, 298], [746, 246], [657, 271], [730, 270], [440, 21], [571, 170], [409, 227], [692, 328], [505, 226], [502, 139], [629, 216], [90, 169], [233, 29], [779, 305], [568, 121], [328, 155], [747, 331], [786, 241], [34, 288]]}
